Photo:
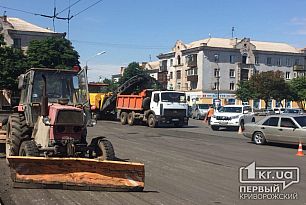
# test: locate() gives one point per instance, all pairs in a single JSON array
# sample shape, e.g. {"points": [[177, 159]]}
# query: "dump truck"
{"points": [[98, 94], [154, 108], [46, 138]]}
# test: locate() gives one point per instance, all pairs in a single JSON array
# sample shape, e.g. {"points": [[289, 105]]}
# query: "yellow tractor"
{"points": [[98, 94]]}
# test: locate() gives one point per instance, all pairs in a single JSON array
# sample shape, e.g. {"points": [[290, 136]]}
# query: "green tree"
{"points": [[112, 85], [12, 64], [298, 90], [245, 91], [269, 85], [132, 70], [52, 52]]}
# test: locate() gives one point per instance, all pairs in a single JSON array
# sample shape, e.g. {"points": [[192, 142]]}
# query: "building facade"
{"points": [[19, 33], [212, 68]]}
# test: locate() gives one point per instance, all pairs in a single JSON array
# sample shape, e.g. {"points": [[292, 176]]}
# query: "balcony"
{"points": [[192, 60], [299, 68], [192, 78]]}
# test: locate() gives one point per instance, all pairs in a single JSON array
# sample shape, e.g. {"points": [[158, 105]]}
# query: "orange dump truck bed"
{"points": [[131, 102]]}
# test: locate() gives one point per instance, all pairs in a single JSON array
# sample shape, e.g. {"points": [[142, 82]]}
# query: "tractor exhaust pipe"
{"points": [[44, 99]]}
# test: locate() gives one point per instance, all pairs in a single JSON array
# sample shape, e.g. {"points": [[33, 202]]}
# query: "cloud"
{"points": [[95, 71], [300, 24]]}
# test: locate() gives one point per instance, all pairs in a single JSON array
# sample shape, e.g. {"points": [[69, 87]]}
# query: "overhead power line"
{"points": [[85, 9], [67, 7]]}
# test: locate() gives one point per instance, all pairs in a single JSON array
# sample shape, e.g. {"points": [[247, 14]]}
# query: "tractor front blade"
{"points": [[76, 173]]}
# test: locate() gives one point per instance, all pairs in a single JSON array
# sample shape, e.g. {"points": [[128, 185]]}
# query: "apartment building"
{"points": [[19, 33], [213, 67]]}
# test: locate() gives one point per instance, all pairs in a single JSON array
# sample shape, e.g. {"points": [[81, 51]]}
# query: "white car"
{"points": [[232, 116]]}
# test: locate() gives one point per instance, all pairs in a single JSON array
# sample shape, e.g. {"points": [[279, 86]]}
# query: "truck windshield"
{"points": [[231, 109], [173, 97], [59, 85]]}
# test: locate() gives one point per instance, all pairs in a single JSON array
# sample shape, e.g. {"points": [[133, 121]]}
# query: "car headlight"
{"points": [[235, 117]]}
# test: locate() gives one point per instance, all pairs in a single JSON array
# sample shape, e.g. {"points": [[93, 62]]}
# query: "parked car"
{"points": [[279, 110], [264, 112], [293, 111], [290, 129], [230, 116], [199, 111]]}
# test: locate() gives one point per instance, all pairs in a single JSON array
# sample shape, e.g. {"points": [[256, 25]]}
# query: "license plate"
{"points": [[223, 123], [175, 120]]}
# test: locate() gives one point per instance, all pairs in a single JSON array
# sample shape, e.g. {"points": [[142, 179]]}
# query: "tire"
{"points": [[178, 124], [28, 148], [106, 150], [151, 121], [130, 119], [259, 138], [215, 128], [17, 132], [198, 117], [123, 118], [242, 125]]}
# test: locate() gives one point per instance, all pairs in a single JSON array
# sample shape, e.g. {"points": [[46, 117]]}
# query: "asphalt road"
{"points": [[192, 165]]}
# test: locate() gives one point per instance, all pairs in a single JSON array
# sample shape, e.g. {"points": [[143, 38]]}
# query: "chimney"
{"points": [[4, 18]]}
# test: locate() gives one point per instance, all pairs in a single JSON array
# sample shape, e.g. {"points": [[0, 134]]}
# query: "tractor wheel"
{"points": [[17, 132], [106, 150], [123, 118], [28, 148], [151, 121], [130, 119]]}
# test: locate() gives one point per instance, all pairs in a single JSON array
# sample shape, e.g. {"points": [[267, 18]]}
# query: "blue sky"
{"points": [[134, 30]]}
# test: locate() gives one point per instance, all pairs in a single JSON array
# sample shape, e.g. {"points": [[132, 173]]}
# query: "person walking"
{"points": [[210, 113]]}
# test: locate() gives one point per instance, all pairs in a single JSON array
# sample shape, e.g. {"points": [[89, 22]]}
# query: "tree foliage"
{"points": [[52, 52], [266, 86], [298, 90], [12, 63], [112, 86], [132, 70]]}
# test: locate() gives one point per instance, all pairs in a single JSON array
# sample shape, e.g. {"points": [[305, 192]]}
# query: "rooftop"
{"points": [[229, 43], [21, 25]]}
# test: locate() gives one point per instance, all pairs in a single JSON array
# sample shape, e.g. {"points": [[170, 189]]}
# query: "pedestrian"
{"points": [[210, 113]]}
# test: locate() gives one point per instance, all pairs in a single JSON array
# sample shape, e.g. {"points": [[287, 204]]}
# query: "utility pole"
{"points": [[233, 29]]}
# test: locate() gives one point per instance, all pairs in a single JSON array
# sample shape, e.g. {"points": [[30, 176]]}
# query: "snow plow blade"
{"points": [[76, 173]]}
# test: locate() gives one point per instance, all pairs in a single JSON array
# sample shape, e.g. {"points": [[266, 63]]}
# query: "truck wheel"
{"points": [[28, 148], [123, 118], [17, 131], [151, 121], [178, 124], [215, 128], [106, 150], [130, 119]]}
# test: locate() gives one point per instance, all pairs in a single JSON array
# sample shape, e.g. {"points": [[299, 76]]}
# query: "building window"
{"points": [[163, 66], [171, 75], [294, 74], [278, 62], [216, 72], [232, 86], [178, 86], [232, 59], [171, 62], [178, 60], [178, 74], [193, 85], [269, 61], [288, 63], [215, 86], [297, 61], [287, 75], [195, 71], [256, 60], [232, 73], [244, 59], [17, 43], [216, 58]]}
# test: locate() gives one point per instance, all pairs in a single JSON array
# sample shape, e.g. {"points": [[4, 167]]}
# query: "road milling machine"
{"points": [[46, 140]]}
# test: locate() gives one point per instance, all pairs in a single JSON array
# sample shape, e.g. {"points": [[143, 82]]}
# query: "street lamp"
{"points": [[97, 54]]}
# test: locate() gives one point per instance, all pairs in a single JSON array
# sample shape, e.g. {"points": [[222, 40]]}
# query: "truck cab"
{"points": [[170, 107]]}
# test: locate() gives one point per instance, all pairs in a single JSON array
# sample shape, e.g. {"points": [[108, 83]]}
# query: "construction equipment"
{"points": [[98, 94], [153, 108], [46, 142]]}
